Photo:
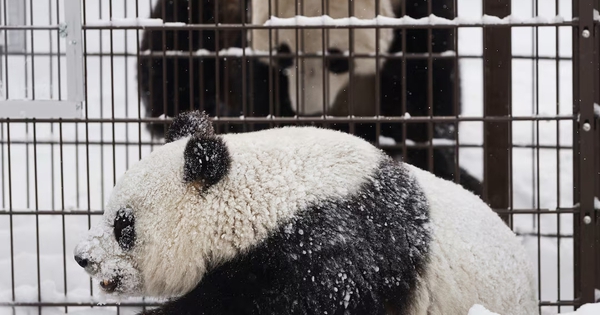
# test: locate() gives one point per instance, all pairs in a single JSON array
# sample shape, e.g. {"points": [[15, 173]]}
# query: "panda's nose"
{"points": [[81, 261]]}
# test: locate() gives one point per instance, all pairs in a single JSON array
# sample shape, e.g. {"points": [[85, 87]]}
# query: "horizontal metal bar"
{"points": [[345, 119], [222, 56], [182, 54], [190, 27], [39, 109], [149, 304], [544, 235], [176, 26], [536, 211], [558, 303], [30, 27], [75, 304], [387, 146], [99, 212], [51, 212]]}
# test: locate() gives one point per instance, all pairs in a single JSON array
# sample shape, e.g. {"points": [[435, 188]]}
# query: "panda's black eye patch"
{"points": [[284, 62], [336, 61], [124, 228]]}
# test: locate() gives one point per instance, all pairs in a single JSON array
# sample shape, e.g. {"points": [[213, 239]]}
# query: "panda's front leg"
{"points": [[277, 281]]}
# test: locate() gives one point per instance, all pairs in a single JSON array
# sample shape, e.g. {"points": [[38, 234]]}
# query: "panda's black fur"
{"points": [[179, 87], [172, 84], [334, 257]]}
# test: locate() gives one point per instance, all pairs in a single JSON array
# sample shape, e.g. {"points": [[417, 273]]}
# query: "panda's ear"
{"points": [[207, 160], [189, 123]]}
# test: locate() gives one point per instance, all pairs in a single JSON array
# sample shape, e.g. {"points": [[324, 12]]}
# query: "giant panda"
{"points": [[323, 85], [299, 220]]}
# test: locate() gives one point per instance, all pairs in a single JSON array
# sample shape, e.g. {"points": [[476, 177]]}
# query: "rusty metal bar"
{"points": [[497, 102], [584, 137]]}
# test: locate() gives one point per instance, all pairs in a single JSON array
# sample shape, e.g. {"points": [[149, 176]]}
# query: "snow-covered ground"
{"points": [[113, 92]]}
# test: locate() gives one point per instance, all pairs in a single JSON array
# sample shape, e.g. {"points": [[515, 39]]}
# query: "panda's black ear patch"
{"points": [[190, 123], [207, 160]]}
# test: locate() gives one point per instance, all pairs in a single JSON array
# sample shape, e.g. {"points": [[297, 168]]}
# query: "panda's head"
{"points": [[141, 246], [306, 75]]}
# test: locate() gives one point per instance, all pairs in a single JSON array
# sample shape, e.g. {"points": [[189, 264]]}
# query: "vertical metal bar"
{"points": [[456, 87], [37, 217], [10, 208], [87, 142], [558, 151], [537, 149], [165, 92], [404, 101], [429, 92], [583, 92], [74, 52], [112, 97], [62, 198], [377, 99], [126, 79], [139, 92], [596, 143], [351, 73], [175, 46], [497, 100], [6, 82]]}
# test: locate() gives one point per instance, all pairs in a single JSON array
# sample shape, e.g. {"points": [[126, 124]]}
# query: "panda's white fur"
{"points": [[310, 70], [275, 174], [264, 186], [474, 256]]}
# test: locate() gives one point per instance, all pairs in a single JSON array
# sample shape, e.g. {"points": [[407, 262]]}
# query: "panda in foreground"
{"points": [[300, 220]]}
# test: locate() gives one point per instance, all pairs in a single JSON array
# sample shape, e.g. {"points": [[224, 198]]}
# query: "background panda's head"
{"points": [[140, 246], [307, 90]]}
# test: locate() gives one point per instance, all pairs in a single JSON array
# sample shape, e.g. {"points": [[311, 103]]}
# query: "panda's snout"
{"points": [[81, 261]]}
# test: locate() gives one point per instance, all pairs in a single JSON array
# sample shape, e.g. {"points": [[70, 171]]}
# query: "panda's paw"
{"points": [[190, 123]]}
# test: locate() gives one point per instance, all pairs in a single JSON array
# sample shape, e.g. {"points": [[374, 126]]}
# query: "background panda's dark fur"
{"points": [[175, 76], [173, 84]]}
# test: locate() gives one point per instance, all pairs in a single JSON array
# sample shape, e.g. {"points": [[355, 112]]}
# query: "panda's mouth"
{"points": [[110, 285]]}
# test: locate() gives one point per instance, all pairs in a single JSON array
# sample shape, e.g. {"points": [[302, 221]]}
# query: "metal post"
{"points": [[497, 100], [584, 85], [75, 79], [597, 144]]}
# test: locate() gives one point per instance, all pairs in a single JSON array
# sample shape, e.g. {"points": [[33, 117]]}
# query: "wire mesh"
{"points": [[493, 104]]}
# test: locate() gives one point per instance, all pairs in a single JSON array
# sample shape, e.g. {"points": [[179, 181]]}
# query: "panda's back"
{"points": [[474, 255]]}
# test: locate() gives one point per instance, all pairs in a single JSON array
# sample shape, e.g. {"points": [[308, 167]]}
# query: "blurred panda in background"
{"points": [[225, 87]]}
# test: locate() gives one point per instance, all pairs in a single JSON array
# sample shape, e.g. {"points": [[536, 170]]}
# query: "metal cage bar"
{"points": [[584, 37]]}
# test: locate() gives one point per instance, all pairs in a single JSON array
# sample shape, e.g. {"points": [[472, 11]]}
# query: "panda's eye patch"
{"points": [[336, 61], [124, 228], [284, 62]]}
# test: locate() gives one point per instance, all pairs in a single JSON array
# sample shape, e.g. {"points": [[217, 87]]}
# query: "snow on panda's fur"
{"points": [[300, 220], [306, 96]]}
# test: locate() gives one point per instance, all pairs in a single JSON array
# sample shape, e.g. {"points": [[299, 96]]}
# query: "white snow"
{"points": [[484, 19], [587, 309], [82, 192], [130, 22], [480, 310]]}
